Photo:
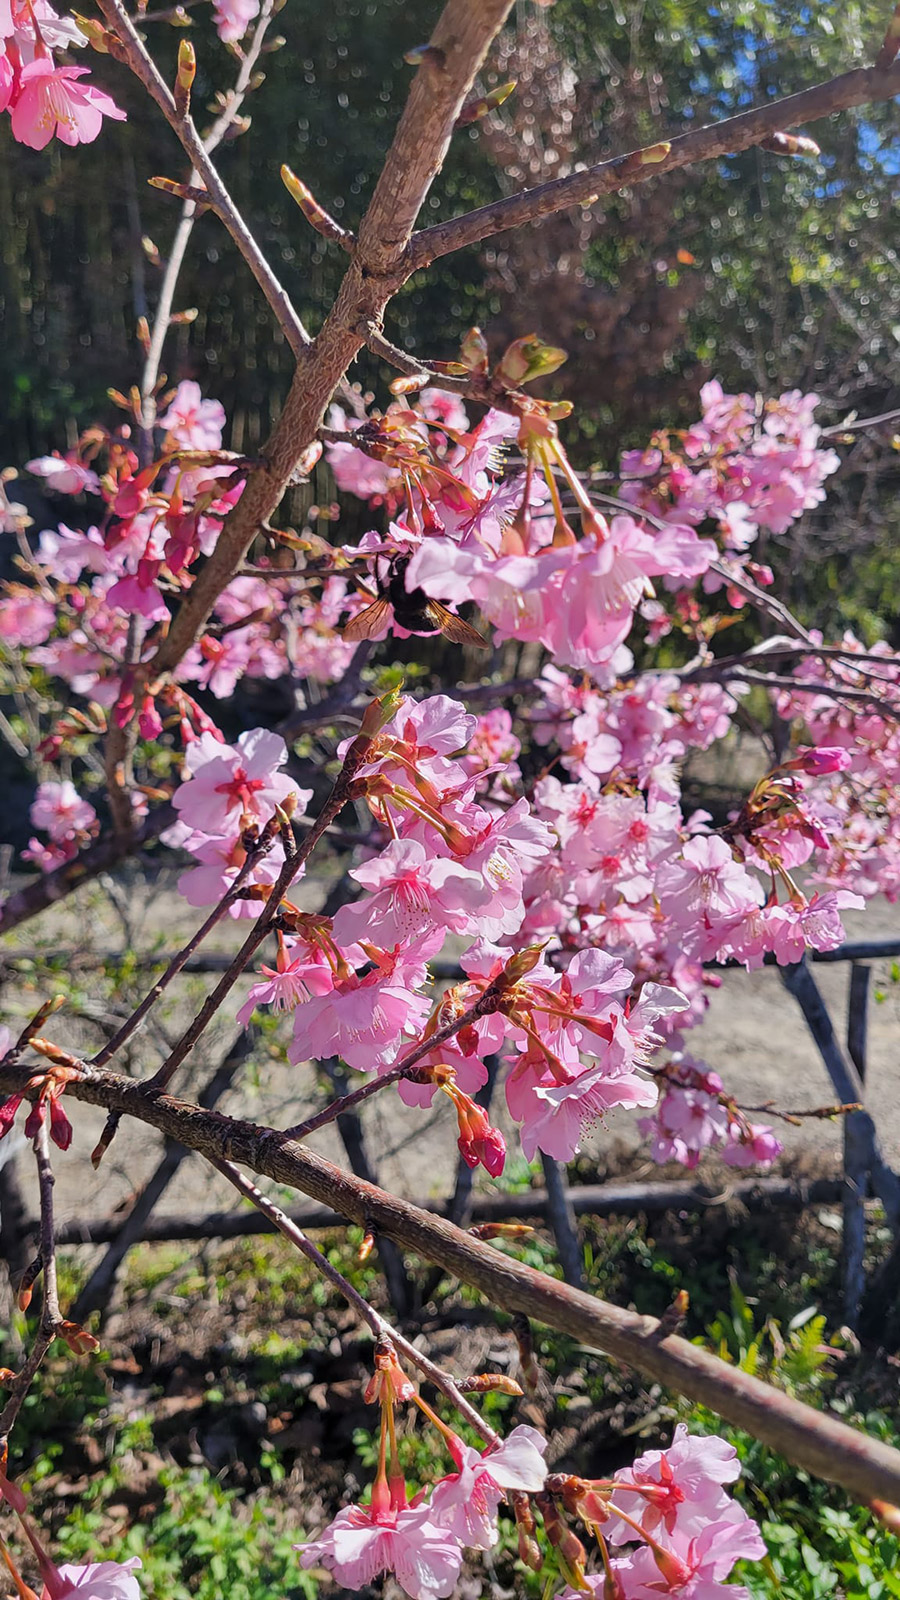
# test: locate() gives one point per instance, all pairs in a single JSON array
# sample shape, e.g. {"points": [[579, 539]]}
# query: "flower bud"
{"points": [[474, 351], [184, 76], [8, 1113], [675, 1571], [529, 1549], [96, 35], [480, 105], [80, 1342], [490, 1383], [790, 144], [316, 215], [886, 1513], [526, 359], [388, 1382], [523, 962], [818, 762], [60, 1126], [421, 54]]}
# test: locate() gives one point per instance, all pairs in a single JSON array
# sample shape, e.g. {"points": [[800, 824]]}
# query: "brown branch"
{"points": [[51, 1319], [379, 267], [865, 1467], [133, 52], [864, 86], [88, 864]]}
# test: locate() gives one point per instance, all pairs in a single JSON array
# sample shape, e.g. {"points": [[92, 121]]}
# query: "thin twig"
{"points": [[51, 1318], [377, 1324], [135, 55], [179, 960]]}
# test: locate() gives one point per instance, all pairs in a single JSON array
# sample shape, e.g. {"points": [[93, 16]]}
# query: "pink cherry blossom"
{"points": [[363, 1018], [695, 1568], [67, 551], [681, 1486], [52, 101], [412, 892], [219, 861], [302, 970], [60, 811], [705, 889], [100, 1580], [229, 783], [751, 1145], [465, 1502], [361, 1543], [192, 422], [65, 474], [26, 618], [814, 923], [689, 1117]]}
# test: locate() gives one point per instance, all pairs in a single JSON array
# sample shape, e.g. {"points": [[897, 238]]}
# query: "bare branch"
{"points": [[378, 269], [864, 86], [51, 1318], [136, 56], [379, 1326]]}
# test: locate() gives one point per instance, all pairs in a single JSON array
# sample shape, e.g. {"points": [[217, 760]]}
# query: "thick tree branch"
{"points": [[864, 86], [865, 1467], [379, 268]]}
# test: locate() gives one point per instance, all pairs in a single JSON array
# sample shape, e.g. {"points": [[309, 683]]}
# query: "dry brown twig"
{"points": [[51, 1319]]}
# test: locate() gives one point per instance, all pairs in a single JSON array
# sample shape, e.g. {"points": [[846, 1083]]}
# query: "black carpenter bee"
{"points": [[413, 609]]}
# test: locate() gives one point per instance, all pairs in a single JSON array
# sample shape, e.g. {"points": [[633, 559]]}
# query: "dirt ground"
{"points": [[753, 1034]]}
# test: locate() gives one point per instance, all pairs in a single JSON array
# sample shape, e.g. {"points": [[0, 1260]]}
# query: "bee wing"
{"points": [[369, 623], [453, 627]]}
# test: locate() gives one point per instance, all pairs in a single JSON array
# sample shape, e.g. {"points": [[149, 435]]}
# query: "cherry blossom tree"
{"points": [[537, 822]]}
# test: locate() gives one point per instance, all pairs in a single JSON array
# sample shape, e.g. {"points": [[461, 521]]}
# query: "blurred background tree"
{"points": [[765, 271]]}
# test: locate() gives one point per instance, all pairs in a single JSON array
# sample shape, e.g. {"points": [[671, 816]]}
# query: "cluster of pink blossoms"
{"points": [[625, 898], [422, 1542], [229, 794], [620, 903], [45, 99], [863, 847], [156, 523], [667, 1525], [71, 821], [501, 541], [694, 1115], [686, 1532]]}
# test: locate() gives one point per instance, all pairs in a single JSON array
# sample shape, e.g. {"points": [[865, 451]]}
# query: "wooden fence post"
{"points": [[857, 1152]]}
